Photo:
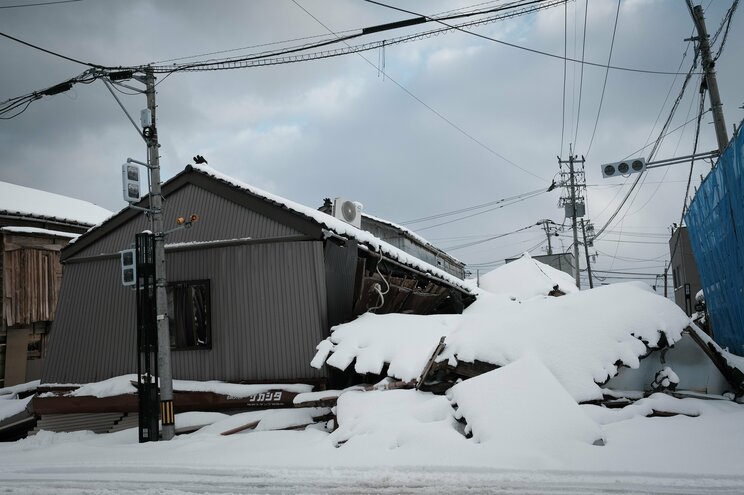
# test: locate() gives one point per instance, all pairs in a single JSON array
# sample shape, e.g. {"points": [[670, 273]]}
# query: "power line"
{"points": [[547, 54], [65, 57], [37, 4], [470, 208], [607, 73], [492, 238], [281, 56], [581, 78], [565, 53], [430, 108]]}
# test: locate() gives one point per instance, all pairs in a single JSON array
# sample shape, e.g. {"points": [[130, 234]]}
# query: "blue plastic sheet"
{"points": [[715, 222]]}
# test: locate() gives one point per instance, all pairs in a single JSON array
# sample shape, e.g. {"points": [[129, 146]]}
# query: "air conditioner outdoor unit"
{"points": [[348, 211]]}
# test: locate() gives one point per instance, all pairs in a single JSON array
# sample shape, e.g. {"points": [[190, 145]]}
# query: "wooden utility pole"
{"points": [[710, 75], [165, 372]]}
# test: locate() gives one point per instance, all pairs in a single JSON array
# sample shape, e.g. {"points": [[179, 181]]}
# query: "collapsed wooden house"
{"points": [[272, 277], [34, 226]]}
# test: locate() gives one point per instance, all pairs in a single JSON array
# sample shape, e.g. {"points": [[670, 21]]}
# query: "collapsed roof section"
{"points": [[584, 339]]}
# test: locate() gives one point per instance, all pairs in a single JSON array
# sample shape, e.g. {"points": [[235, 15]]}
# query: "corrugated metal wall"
{"points": [[268, 314], [219, 219]]}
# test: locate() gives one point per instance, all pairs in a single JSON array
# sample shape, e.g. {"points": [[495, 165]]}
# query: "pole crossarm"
{"points": [[683, 159]]}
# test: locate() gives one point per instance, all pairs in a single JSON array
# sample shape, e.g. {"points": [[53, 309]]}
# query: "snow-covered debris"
{"points": [[11, 407], [20, 200], [125, 384], [666, 379], [580, 337], [262, 420], [525, 278], [521, 403], [13, 391], [404, 342]]}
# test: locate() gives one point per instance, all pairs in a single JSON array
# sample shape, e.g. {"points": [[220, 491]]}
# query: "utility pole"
{"points": [[165, 372], [572, 207], [546, 226], [710, 74], [586, 252]]}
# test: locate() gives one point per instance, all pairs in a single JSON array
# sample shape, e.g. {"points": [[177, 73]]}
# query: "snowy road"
{"points": [[178, 481]]}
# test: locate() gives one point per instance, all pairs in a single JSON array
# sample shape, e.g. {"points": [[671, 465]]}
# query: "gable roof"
{"points": [[304, 218], [25, 202]]}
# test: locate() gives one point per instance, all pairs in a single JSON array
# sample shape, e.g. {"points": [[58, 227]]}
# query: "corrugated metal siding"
{"points": [[219, 218], [340, 273], [268, 314], [94, 330]]}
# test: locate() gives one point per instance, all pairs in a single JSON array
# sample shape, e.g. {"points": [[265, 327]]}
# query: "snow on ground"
{"points": [[525, 278], [399, 441], [529, 434]]}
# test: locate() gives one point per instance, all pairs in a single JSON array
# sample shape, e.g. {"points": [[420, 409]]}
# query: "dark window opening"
{"points": [[189, 315]]}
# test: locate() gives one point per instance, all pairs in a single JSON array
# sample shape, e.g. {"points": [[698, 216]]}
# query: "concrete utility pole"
{"points": [[710, 75], [165, 373], [572, 159], [586, 252], [546, 226]]}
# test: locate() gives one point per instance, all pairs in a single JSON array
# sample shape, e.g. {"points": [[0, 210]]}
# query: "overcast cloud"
{"points": [[339, 127]]}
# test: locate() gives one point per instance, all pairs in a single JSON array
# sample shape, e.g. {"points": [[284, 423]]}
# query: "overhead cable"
{"points": [[65, 57], [604, 84], [540, 52]]}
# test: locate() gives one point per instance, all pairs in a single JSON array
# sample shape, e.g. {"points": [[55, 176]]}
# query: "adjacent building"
{"points": [[34, 226], [254, 286]]}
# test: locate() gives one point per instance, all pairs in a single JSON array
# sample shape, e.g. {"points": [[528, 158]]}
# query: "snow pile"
{"points": [[393, 419], [525, 278], [521, 403], [19, 200], [405, 342], [579, 337]]}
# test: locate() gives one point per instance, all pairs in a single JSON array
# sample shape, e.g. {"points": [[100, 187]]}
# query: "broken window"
{"points": [[189, 315]]}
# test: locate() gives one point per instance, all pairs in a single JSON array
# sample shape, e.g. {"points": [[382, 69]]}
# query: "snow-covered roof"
{"points": [[37, 230], [338, 227], [580, 337], [411, 234], [525, 278], [25, 201]]}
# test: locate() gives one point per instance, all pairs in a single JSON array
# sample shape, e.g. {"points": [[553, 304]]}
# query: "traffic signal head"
{"points": [[625, 167]]}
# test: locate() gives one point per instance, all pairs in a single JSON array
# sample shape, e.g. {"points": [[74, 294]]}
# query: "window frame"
{"points": [[178, 329]]}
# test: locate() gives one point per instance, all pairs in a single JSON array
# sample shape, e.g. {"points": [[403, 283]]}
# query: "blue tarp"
{"points": [[715, 222]]}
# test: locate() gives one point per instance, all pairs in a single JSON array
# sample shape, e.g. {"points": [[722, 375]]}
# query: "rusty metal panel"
{"points": [[219, 218], [268, 314]]}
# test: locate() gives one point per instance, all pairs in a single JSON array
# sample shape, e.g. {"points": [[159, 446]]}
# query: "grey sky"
{"points": [[338, 127]]}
